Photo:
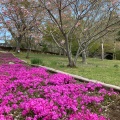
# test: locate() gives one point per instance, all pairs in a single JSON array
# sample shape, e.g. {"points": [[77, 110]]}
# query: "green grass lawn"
{"points": [[107, 71]]}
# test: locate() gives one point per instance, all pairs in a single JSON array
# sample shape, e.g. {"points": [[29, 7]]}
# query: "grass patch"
{"points": [[107, 71], [53, 63], [116, 66]]}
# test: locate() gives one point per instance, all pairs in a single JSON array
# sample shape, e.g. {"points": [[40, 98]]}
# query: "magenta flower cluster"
{"points": [[9, 58], [32, 93]]}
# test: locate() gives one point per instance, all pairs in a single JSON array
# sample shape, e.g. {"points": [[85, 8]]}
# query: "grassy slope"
{"points": [[107, 71]]}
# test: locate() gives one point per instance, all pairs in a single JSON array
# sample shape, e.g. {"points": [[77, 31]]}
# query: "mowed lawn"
{"points": [[107, 71]]}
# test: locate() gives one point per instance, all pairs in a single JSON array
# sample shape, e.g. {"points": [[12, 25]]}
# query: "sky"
{"points": [[3, 34], [2, 41]]}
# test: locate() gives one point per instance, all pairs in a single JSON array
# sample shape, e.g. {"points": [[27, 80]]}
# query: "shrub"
{"points": [[36, 61]]}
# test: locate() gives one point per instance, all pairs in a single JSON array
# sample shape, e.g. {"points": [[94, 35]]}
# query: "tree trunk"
{"points": [[28, 53], [60, 51], [84, 57], [17, 47], [102, 48], [64, 53], [18, 41], [114, 54], [28, 47], [71, 62]]}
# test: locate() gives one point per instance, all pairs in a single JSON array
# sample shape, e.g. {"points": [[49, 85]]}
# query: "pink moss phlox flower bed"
{"points": [[8, 57], [32, 93]]}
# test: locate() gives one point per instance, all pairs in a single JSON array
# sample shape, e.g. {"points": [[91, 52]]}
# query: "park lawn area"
{"points": [[107, 71]]}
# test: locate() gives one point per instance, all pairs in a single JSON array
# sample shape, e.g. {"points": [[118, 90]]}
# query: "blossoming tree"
{"points": [[67, 16], [19, 18]]}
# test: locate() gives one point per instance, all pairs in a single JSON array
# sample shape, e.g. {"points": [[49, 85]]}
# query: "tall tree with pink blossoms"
{"points": [[19, 18], [69, 15]]}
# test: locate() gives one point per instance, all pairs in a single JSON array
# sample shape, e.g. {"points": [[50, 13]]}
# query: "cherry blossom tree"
{"points": [[19, 18], [88, 19]]}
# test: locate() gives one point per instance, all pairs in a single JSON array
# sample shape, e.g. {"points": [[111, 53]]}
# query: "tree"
{"points": [[68, 16], [19, 18]]}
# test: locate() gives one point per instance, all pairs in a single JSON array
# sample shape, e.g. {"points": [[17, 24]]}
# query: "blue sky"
{"points": [[4, 32], [2, 41], [2, 36]]}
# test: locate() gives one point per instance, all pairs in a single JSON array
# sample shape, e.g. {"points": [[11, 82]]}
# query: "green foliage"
{"points": [[57, 34], [118, 33], [36, 61], [74, 47], [118, 36], [94, 47], [118, 55], [108, 47], [59, 37], [45, 48]]}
